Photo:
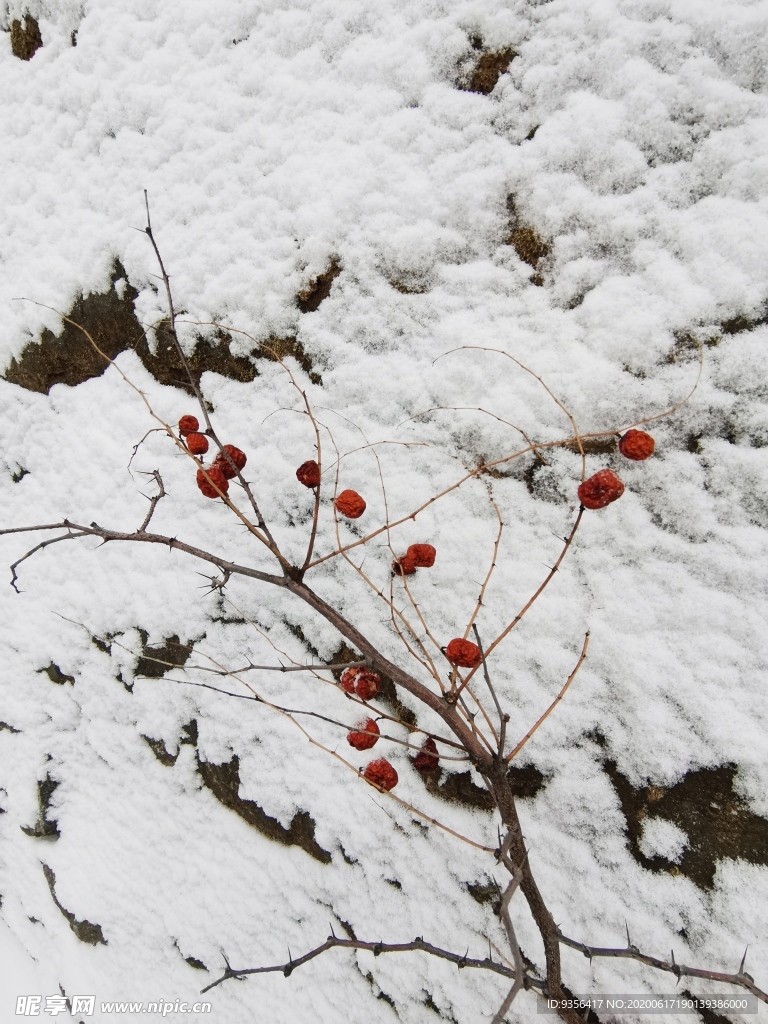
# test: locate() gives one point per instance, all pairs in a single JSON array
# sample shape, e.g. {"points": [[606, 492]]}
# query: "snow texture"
{"points": [[274, 138]]}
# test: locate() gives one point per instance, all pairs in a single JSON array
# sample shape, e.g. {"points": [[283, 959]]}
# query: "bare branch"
{"points": [[554, 703], [153, 501], [377, 948], [503, 718], [679, 970]]}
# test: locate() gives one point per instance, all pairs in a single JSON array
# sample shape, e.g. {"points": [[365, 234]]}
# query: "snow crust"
{"points": [[274, 137]]}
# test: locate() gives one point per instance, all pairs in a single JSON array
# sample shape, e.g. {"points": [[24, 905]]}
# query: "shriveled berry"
{"points": [[637, 445], [367, 684], [600, 490], [427, 758], [364, 735], [404, 566], [222, 462], [349, 678], [381, 774], [463, 653], [308, 474], [188, 425], [197, 443], [350, 504], [216, 477], [423, 555]]}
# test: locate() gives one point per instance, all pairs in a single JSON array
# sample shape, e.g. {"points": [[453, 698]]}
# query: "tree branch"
{"points": [[742, 979], [377, 948]]}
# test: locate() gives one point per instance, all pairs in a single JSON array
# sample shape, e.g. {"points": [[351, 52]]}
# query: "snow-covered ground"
{"points": [[275, 138]]}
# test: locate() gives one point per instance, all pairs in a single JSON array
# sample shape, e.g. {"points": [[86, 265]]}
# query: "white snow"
{"points": [[272, 138]]}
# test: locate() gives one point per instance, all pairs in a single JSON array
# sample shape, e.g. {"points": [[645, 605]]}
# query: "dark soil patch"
{"points": [[9, 728], [45, 827], [194, 962], [487, 891], [595, 445], [156, 661], [25, 38], [110, 319], [488, 70], [458, 787], [55, 674], [223, 780], [160, 751], [704, 804], [84, 930], [529, 245], [318, 289]]}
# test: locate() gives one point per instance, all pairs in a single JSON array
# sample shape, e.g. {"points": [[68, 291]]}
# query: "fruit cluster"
{"points": [[604, 486], [418, 556], [214, 481]]}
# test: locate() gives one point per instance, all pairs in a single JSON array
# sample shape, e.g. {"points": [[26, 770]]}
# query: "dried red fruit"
{"points": [[637, 445], [362, 681], [197, 443], [308, 474], [463, 653], [423, 555], [216, 477], [427, 758], [404, 566], [222, 462], [600, 490], [350, 504], [349, 678], [188, 425], [381, 774], [364, 735], [367, 684]]}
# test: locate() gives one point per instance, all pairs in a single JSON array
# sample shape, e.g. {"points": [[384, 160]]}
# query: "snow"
{"points": [[273, 138]]}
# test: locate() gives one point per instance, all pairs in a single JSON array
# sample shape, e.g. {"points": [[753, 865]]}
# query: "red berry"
{"points": [[637, 445], [423, 555], [350, 504], [197, 443], [222, 462], [367, 684], [426, 759], [216, 477], [349, 678], [364, 735], [308, 474], [463, 653], [188, 425], [404, 566], [600, 490], [381, 774]]}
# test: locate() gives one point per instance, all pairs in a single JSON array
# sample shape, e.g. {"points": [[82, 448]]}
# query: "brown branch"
{"points": [[153, 501], [741, 979], [377, 948], [509, 892], [503, 718], [554, 703]]}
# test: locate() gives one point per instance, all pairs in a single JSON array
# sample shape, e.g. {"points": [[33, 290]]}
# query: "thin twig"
{"points": [[554, 703]]}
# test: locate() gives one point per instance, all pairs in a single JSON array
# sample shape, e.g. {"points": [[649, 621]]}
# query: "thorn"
{"points": [[675, 969], [743, 961], [377, 949], [333, 933]]}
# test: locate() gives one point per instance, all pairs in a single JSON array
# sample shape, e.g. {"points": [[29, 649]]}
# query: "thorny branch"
{"points": [[377, 948], [630, 952]]}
